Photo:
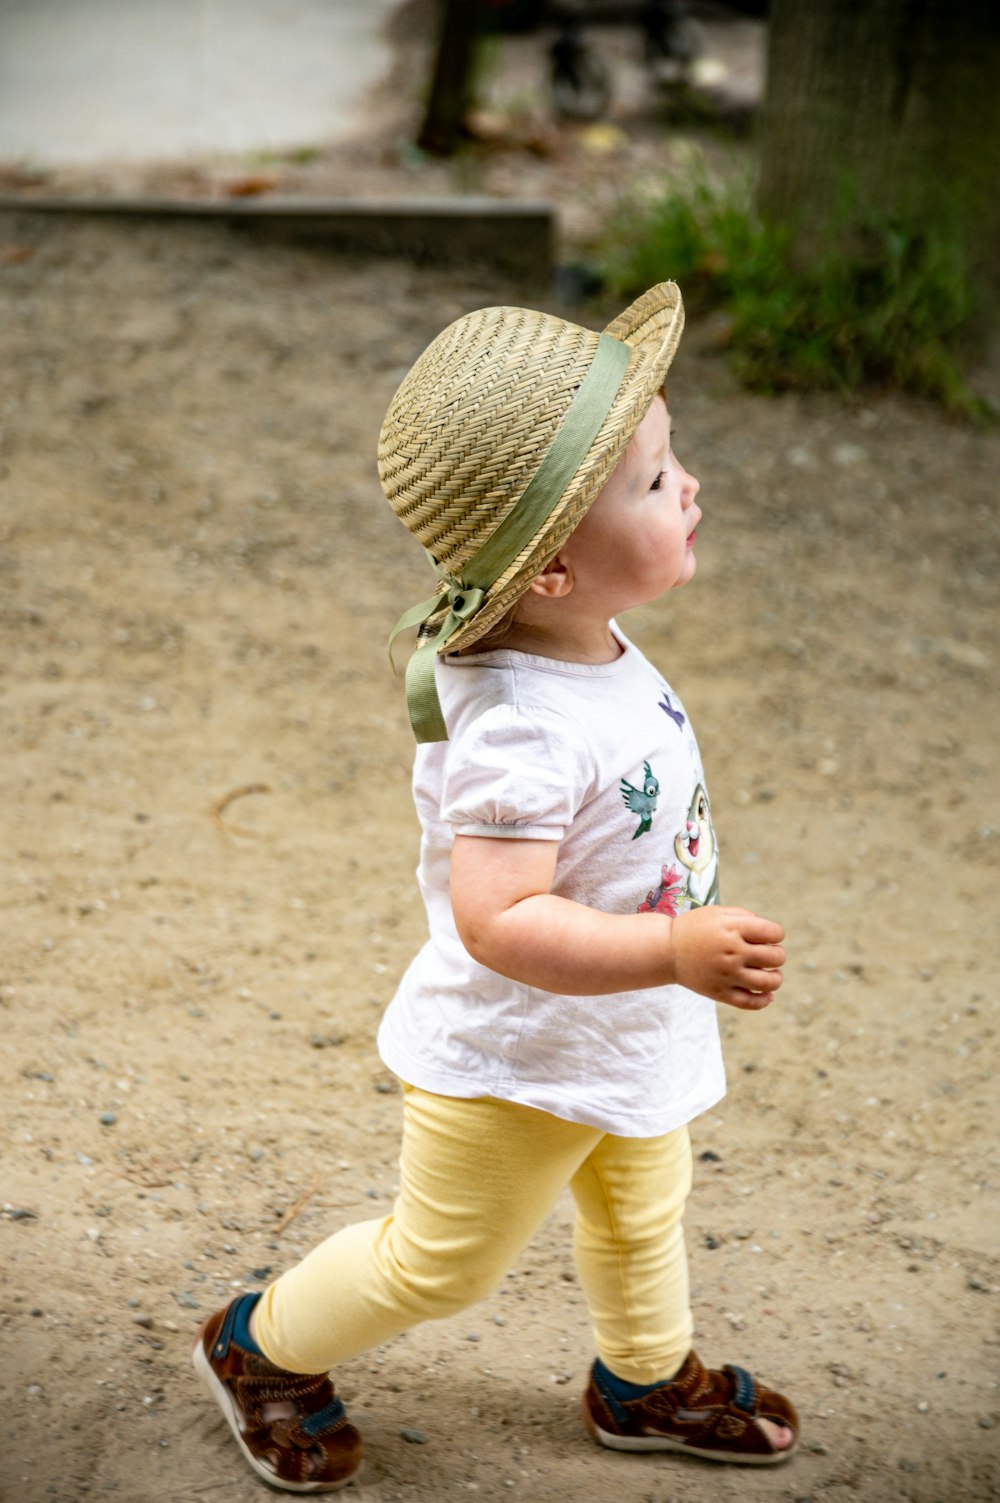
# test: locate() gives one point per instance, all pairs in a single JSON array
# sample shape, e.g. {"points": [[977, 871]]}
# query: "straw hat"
{"points": [[501, 436]]}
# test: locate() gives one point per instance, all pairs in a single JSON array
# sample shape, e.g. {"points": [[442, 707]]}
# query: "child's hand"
{"points": [[729, 954]]}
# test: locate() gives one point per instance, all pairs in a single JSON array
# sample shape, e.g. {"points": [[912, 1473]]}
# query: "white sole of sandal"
{"points": [[648, 1443], [220, 1394]]}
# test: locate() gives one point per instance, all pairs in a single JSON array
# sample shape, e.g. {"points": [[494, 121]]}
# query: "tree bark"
{"points": [[449, 100], [891, 106]]}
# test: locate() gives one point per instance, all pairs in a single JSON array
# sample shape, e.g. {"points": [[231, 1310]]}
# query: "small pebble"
{"points": [[712, 1242], [34, 1389], [986, 1421], [415, 1437], [37, 1311], [923, 1407], [975, 1283], [145, 1321], [187, 1300], [473, 1336], [804, 458], [264, 1272], [709, 1156], [256, 1154], [108, 1119]]}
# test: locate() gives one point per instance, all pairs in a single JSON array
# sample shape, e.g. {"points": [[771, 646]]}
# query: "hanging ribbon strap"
{"points": [[421, 689], [459, 600]]}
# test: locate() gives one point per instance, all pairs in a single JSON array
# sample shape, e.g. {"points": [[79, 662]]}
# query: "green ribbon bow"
{"points": [[460, 599], [421, 691]]}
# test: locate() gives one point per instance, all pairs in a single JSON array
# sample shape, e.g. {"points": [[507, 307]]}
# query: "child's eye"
{"points": [[658, 482]]}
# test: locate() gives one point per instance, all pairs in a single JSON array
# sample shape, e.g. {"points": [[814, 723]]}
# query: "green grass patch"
{"points": [[894, 311]]}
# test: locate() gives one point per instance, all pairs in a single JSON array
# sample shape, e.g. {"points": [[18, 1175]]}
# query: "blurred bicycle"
{"points": [[579, 78], [580, 82]]}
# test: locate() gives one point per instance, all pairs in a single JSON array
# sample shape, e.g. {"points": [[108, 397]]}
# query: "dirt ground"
{"points": [[197, 576]]}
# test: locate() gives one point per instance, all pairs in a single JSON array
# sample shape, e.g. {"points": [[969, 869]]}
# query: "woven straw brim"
{"points": [[502, 381]]}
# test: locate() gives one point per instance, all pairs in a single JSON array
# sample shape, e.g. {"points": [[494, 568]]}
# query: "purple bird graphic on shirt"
{"points": [[677, 716]]}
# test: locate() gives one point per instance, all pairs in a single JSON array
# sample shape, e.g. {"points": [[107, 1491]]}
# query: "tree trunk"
{"points": [[448, 103], [891, 106]]}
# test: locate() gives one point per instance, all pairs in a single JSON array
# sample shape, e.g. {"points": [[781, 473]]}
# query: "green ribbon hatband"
{"points": [[460, 599]]}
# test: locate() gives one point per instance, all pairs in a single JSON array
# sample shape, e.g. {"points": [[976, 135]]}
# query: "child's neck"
{"points": [[594, 644]]}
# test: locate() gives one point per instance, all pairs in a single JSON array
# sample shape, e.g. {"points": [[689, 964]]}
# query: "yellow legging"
{"points": [[477, 1178]]}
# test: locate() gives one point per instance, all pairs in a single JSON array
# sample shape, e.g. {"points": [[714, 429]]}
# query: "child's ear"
{"points": [[555, 580]]}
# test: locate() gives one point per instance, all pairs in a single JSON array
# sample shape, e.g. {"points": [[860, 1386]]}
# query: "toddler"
{"points": [[559, 1025]]}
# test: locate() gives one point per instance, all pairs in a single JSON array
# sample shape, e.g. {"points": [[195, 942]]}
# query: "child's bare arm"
{"points": [[509, 919]]}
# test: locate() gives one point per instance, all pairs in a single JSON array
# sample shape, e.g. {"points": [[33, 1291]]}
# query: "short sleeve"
{"points": [[517, 773]]}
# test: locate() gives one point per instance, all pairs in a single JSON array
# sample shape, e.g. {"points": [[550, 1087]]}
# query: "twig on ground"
{"points": [[287, 1217], [208, 1487], [226, 799]]}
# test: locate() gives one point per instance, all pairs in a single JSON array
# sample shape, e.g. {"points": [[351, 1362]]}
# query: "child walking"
{"points": [[559, 1025]]}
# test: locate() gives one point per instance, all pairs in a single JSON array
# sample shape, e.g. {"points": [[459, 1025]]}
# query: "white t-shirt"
{"points": [[601, 758]]}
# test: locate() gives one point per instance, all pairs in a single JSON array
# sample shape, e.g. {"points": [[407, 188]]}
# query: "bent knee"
{"points": [[445, 1285]]}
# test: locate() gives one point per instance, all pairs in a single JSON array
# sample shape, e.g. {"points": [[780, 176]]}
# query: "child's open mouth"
{"points": [[691, 539]]}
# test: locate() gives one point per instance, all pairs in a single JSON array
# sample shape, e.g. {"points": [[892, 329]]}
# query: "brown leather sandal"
{"points": [[313, 1450], [701, 1412]]}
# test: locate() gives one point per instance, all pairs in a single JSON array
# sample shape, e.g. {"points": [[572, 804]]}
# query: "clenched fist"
{"points": [[729, 954]]}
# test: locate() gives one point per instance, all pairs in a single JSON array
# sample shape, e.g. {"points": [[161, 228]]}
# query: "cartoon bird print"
{"points": [[696, 849], [642, 801]]}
